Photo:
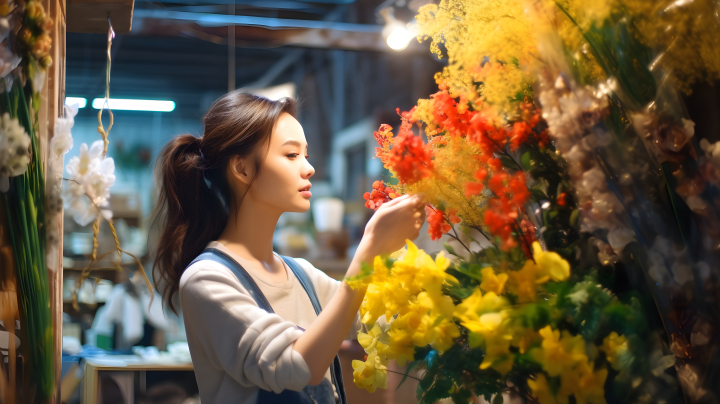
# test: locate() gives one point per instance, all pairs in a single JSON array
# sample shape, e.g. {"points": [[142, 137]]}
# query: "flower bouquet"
{"points": [[559, 161]]}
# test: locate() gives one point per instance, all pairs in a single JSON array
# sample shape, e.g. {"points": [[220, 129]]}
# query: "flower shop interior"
{"points": [[566, 152]]}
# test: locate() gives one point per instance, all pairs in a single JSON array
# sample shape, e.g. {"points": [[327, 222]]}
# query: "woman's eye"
{"points": [[292, 155]]}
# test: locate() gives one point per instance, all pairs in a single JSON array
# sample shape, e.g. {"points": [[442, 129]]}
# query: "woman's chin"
{"points": [[300, 206]]}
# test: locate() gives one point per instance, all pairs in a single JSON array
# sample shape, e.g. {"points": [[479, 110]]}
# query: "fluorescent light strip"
{"points": [[134, 105], [82, 102]]}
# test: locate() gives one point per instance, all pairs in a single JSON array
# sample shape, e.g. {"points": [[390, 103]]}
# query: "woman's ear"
{"points": [[241, 168]]}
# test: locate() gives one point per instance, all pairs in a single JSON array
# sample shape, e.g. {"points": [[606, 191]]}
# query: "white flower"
{"points": [[89, 189], [38, 80], [14, 150], [61, 142], [79, 204], [100, 179], [79, 166]]}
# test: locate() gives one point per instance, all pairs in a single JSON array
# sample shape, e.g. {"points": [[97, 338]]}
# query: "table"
{"points": [[124, 363]]}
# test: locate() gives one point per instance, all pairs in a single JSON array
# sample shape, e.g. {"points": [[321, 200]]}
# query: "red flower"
{"points": [[379, 195], [474, 188], [519, 134], [510, 195], [410, 158], [561, 199], [438, 222]]}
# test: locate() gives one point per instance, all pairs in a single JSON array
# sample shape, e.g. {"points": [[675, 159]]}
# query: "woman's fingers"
{"points": [[395, 201]]}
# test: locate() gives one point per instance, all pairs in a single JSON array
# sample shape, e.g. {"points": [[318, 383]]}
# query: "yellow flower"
{"points": [[438, 305], [541, 389], [497, 352], [375, 340], [523, 338], [585, 384], [370, 374], [615, 347], [550, 264], [431, 274], [395, 297], [477, 304], [444, 335], [524, 282], [558, 355], [491, 282], [372, 306], [400, 347]]}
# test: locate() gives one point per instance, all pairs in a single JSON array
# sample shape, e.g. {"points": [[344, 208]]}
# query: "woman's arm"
{"points": [[387, 230]]}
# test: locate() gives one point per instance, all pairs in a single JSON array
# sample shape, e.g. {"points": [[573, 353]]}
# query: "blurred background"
{"points": [[349, 63]]}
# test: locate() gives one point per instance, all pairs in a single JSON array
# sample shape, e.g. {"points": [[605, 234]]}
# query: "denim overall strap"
{"points": [[215, 255], [335, 371], [286, 396]]}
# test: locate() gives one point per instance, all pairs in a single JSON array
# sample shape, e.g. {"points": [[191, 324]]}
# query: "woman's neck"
{"points": [[249, 231]]}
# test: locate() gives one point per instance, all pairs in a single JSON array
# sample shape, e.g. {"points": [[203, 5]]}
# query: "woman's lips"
{"points": [[306, 194]]}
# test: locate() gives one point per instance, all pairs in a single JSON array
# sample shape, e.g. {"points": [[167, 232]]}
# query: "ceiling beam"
{"points": [[266, 32], [217, 20]]}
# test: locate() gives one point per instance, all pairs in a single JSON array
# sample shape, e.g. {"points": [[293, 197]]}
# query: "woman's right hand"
{"points": [[392, 224]]}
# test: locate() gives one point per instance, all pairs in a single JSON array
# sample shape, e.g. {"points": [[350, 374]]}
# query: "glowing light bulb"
{"points": [[400, 37]]}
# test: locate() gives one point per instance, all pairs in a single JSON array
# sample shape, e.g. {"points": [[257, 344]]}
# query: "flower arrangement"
{"points": [[578, 200]]}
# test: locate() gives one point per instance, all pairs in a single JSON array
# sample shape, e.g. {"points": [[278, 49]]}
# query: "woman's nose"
{"points": [[308, 170]]}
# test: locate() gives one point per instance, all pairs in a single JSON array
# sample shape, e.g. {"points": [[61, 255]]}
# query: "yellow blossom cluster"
{"points": [[485, 40], [410, 295], [566, 357], [455, 162]]}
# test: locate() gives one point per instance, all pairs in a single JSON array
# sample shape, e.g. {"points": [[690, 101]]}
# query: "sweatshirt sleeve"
{"points": [[253, 346], [325, 287]]}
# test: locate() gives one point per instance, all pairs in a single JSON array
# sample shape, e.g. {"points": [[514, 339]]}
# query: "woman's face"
{"points": [[284, 179]]}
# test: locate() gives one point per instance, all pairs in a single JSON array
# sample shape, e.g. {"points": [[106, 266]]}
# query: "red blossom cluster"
{"points": [[380, 194], [454, 117], [439, 222], [510, 194], [409, 158]]}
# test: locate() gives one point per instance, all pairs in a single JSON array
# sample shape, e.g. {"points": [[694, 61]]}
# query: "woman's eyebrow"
{"points": [[294, 143]]}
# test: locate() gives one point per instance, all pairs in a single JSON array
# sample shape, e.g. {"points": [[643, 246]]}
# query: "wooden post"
{"points": [[51, 107]]}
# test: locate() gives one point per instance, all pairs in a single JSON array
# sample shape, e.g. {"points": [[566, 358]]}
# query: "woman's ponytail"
{"points": [[184, 194], [194, 195]]}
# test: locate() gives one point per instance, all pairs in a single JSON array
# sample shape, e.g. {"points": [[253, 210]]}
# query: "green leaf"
{"points": [[498, 399], [410, 367], [526, 161], [507, 162], [450, 249]]}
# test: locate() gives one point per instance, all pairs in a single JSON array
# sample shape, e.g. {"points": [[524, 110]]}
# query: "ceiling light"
{"points": [[397, 34], [134, 105], [81, 102], [400, 37]]}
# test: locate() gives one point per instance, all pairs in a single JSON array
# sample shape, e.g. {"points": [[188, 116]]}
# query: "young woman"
{"points": [[250, 315]]}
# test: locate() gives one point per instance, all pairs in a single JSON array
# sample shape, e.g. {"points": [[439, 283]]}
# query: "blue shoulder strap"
{"points": [[304, 281], [335, 369], [215, 255]]}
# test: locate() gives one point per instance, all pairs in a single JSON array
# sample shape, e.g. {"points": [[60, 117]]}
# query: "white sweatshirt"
{"points": [[236, 347]]}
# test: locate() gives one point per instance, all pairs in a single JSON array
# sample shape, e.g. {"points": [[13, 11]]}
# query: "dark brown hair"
{"points": [[195, 197]]}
